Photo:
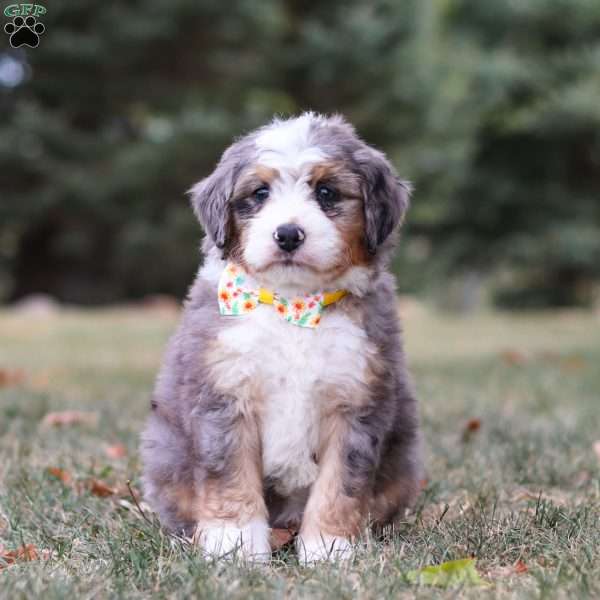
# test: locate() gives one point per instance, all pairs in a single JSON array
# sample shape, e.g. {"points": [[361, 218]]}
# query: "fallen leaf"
{"points": [[572, 364], [116, 451], [11, 378], [472, 427], [61, 474], [281, 537], [596, 447], [70, 417], [140, 509], [557, 496], [101, 489], [24, 553], [451, 573], [521, 567], [513, 357]]}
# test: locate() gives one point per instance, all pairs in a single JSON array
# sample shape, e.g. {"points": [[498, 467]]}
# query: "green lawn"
{"points": [[510, 408]]}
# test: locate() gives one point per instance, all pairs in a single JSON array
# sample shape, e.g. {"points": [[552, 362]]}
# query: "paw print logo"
{"points": [[24, 32]]}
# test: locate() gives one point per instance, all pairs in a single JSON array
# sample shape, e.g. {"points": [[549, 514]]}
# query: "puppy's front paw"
{"points": [[224, 540], [323, 547]]}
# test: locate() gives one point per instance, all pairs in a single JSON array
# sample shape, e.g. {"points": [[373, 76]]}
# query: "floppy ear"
{"points": [[210, 201], [211, 196], [386, 196]]}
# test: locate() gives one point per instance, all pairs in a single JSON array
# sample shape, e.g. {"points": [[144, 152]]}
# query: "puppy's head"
{"points": [[302, 202]]}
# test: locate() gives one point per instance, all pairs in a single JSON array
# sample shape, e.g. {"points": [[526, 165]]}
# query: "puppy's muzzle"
{"points": [[289, 237]]}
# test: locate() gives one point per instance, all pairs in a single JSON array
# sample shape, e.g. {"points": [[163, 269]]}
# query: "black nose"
{"points": [[289, 236]]}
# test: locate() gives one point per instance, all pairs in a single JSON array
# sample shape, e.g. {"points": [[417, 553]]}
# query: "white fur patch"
{"points": [[220, 540], [285, 144], [293, 365], [324, 547]]}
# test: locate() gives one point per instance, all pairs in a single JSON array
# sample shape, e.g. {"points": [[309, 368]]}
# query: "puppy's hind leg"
{"points": [[168, 472]]}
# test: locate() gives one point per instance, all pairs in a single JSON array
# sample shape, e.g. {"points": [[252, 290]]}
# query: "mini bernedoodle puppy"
{"points": [[283, 400]]}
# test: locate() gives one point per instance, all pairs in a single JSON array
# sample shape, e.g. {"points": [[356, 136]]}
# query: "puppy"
{"points": [[283, 400]]}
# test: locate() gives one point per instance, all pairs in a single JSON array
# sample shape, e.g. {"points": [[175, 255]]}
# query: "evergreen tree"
{"points": [[490, 108]]}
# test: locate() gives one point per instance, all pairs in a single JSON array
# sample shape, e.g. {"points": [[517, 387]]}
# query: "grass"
{"points": [[510, 408]]}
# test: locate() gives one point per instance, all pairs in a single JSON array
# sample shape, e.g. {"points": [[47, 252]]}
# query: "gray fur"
{"points": [[212, 195], [191, 432], [387, 436], [386, 196]]}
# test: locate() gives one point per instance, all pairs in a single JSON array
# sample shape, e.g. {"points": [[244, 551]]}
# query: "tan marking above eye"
{"points": [[266, 174], [338, 176], [253, 179]]}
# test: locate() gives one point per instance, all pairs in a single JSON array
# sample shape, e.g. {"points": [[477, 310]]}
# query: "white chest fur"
{"points": [[290, 364]]}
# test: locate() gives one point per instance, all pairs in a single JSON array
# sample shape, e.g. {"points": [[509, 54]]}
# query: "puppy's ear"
{"points": [[386, 196], [211, 196]]}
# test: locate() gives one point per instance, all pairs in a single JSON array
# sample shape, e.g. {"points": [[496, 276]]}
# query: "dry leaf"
{"points": [[135, 508], [281, 537], [513, 357], [572, 364], [460, 572], [116, 451], [24, 553], [70, 417], [521, 567], [11, 378], [101, 489], [473, 425], [61, 474], [471, 428]]}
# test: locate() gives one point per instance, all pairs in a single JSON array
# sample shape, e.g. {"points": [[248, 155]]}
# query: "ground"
{"points": [[510, 411]]}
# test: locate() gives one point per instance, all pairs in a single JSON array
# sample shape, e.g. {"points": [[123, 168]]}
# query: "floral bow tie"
{"points": [[238, 297]]}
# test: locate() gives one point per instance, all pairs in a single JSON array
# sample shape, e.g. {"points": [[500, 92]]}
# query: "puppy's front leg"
{"points": [[334, 513], [230, 508]]}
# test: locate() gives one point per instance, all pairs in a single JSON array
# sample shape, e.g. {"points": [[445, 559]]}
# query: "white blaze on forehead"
{"points": [[286, 144]]}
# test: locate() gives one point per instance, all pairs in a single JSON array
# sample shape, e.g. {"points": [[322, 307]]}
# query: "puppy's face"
{"points": [[301, 203]]}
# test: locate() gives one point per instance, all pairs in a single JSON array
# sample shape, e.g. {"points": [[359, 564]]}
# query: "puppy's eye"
{"points": [[261, 194], [326, 195]]}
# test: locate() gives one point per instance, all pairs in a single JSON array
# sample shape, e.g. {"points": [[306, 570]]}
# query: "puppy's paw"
{"points": [[333, 548], [225, 540]]}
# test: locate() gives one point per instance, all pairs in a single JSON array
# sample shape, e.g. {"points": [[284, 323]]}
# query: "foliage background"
{"points": [[490, 107]]}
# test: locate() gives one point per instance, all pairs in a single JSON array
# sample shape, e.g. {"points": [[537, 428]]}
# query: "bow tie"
{"points": [[237, 296]]}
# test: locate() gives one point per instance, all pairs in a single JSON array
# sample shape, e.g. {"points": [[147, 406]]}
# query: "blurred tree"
{"points": [[490, 108], [530, 198], [126, 105]]}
